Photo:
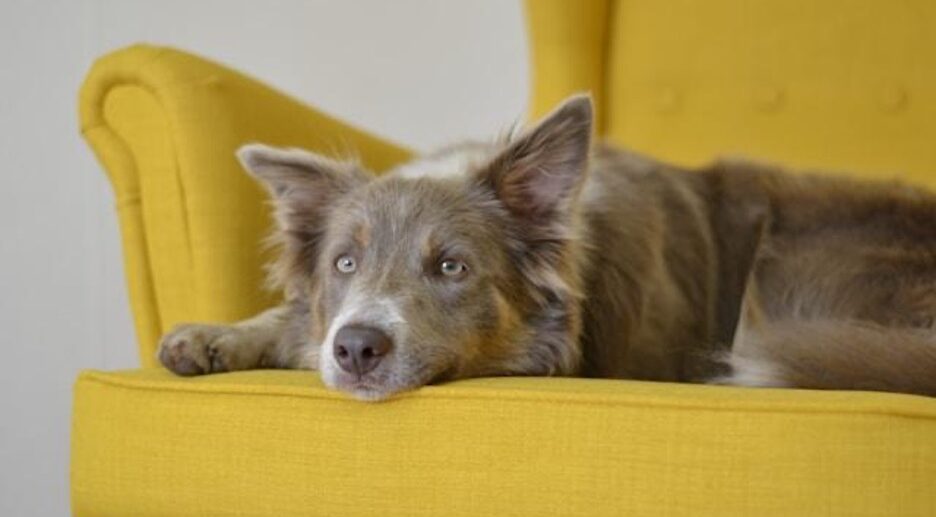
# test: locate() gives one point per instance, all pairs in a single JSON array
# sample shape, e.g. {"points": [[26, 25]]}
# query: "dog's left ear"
{"points": [[539, 173]]}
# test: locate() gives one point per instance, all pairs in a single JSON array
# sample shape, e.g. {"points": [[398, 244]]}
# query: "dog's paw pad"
{"points": [[193, 349]]}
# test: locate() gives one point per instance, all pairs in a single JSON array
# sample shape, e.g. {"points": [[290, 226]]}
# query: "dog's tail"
{"points": [[835, 354]]}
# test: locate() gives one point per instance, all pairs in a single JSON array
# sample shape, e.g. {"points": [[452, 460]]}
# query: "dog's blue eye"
{"points": [[346, 264], [450, 267]]}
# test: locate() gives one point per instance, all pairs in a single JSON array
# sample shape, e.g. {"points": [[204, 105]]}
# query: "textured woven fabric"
{"points": [[847, 85], [278, 443]]}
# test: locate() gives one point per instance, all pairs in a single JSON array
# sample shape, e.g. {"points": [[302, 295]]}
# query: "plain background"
{"points": [[422, 72]]}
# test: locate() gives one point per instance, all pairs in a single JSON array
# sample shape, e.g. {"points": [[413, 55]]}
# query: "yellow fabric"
{"points": [[568, 42], [836, 83], [165, 124], [147, 443]]}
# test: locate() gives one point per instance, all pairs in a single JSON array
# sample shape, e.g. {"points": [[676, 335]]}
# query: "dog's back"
{"points": [[756, 276]]}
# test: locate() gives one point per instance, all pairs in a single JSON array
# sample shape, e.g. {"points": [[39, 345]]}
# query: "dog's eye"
{"points": [[452, 268], [346, 264]]}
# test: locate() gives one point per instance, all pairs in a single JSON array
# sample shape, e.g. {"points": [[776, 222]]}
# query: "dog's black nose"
{"points": [[359, 350]]}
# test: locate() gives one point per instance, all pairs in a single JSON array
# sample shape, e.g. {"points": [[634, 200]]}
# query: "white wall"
{"points": [[423, 72]]}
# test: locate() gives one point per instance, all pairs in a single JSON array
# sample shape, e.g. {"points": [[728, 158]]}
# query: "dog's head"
{"points": [[456, 265]]}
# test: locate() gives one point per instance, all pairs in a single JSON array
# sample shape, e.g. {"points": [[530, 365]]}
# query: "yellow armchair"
{"points": [[816, 83]]}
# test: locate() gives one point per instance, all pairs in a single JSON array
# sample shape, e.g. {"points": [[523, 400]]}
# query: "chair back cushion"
{"points": [[837, 84]]}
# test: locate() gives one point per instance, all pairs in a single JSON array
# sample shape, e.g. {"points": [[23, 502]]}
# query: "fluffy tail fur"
{"points": [[835, 355]]}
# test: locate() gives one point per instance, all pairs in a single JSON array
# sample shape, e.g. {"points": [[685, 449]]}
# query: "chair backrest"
{"points": [[832, 84]]}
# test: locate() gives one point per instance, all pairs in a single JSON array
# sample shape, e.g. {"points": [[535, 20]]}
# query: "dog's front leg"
{"points": [[194, 349]]}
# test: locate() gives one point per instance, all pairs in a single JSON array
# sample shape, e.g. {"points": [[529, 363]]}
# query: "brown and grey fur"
{"points": [[587, 261]]}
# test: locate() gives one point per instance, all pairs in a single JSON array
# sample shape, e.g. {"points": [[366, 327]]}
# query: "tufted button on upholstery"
{"points": [[212, 82], [768, 98], [892, 98], [667, 100]]}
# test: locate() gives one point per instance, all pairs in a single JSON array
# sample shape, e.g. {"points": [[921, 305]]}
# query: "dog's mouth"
{"points": [[364, 387], [365, 391], [373, 388]]}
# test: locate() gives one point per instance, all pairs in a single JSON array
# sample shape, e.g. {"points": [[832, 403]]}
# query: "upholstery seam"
{"points": [[509, 395], [613, 7]]}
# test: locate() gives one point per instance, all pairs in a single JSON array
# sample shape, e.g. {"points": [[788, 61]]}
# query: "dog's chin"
{"points": [[366, 393], [370, 389]]}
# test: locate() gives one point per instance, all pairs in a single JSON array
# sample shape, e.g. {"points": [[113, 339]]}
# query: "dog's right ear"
{"points": [[293, 171], [303, 186]]}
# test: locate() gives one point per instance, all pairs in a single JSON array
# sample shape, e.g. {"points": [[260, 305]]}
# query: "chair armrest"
{"points": [[164, 124]]}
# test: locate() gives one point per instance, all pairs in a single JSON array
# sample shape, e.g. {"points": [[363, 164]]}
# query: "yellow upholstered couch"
{"points": [[842, 84]]}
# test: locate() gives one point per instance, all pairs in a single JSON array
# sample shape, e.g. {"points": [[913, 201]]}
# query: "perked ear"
{"points": [[303, 186], [285, 171], [539, 173]]}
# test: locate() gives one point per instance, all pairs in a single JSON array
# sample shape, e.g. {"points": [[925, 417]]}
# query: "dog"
{"points": [[540, 254]]}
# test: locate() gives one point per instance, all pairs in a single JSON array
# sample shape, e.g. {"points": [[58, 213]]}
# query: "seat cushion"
{"points": [[279, 443]]}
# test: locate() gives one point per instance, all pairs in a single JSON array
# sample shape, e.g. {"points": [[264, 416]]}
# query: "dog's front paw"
{"points": [[195, 349]]}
